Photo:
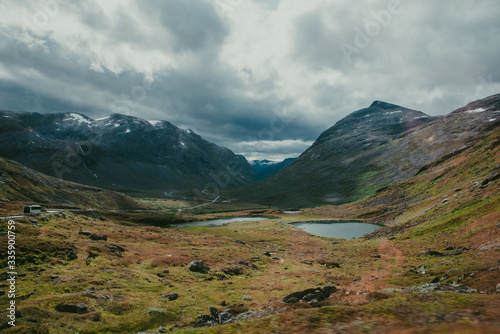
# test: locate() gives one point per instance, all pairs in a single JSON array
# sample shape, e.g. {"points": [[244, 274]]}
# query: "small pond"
{"points": [[338, 229], [219, 222]]}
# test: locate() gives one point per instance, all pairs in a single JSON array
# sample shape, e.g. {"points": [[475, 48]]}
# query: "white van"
{"points": [[30, 210]]}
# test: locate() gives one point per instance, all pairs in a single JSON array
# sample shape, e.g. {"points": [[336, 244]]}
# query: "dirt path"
{"points": [[391, 259]]}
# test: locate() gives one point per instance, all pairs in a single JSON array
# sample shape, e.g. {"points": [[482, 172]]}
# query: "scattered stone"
{"points": [[420, 270], [73, 308], [54, 277], [498, 288], [267, 253], [431, 253], [376, 256], [248, 264], [198, 266], [275, 258], [215, 317], [89, 290], [170, 296], [329, 264], [438, 287], [85, 233], [310, 295], [162, 330], [115, 247], [166, 271], [246, 298], [72, 256], [97, 237], [240, 242], [435, 280]]}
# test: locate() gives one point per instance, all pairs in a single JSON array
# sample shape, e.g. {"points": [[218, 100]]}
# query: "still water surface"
{"points": [[219, 222], [338, 229]]}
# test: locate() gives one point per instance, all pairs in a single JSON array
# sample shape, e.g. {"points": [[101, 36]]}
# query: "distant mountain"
{"points": [[369, 149], [120, 152], [266, 168], [21, 184]]}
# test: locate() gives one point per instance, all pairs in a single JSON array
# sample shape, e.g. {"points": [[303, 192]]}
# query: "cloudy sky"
{"points": [[262, 77]]}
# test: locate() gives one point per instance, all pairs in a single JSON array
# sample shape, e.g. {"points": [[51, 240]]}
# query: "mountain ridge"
{"points": [[120, 152], [368, 149]]}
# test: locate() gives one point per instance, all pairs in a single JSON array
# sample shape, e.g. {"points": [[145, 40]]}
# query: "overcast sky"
{"points": [[262, 77]]}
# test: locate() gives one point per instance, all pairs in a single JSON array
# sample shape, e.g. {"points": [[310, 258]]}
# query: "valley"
{"points": [[130, 265]]}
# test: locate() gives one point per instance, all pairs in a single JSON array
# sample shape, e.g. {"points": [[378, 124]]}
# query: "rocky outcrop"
{"points": [[310, 295], [73, 308], [198, 266]]}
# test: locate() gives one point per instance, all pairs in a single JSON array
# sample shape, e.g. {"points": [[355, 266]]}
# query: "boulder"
{"points": [[310, 295], [438, 287], [198, 266], [73, 308], [97, 237], [86, 233], [170, 296], [72, 256], [115, 247]]}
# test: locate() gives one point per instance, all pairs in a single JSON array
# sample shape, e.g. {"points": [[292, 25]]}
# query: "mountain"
{"points": [[21, 184], [121, 153], [371, 148], [266, 168]]}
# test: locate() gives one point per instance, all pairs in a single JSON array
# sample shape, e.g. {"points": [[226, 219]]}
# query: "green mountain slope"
{"points": [[21, 184]]}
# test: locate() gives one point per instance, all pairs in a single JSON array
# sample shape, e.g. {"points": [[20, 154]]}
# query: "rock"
{"points": [[197, 266], [248, 264], [162, 330], [166, 271], [246, 297], [97, 237], [214, 312], [240, 242], [438, 287], [431, 253], [225, 317], [170, 296], [267, 253], [310, 295], [435, 280], [72, 256], [54, 277], [115, 247], [73, 308], [86, 233], [89, 290], [275, 258], [498, 288]]}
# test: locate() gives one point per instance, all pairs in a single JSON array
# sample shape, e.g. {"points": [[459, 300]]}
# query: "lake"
{"points": [[222, 221], [338, 229]]}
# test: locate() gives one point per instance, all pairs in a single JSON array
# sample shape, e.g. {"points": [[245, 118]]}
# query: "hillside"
{"points": [[19, 185], [432, 269], [371, 148], [266, 168], [121, 153]]}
